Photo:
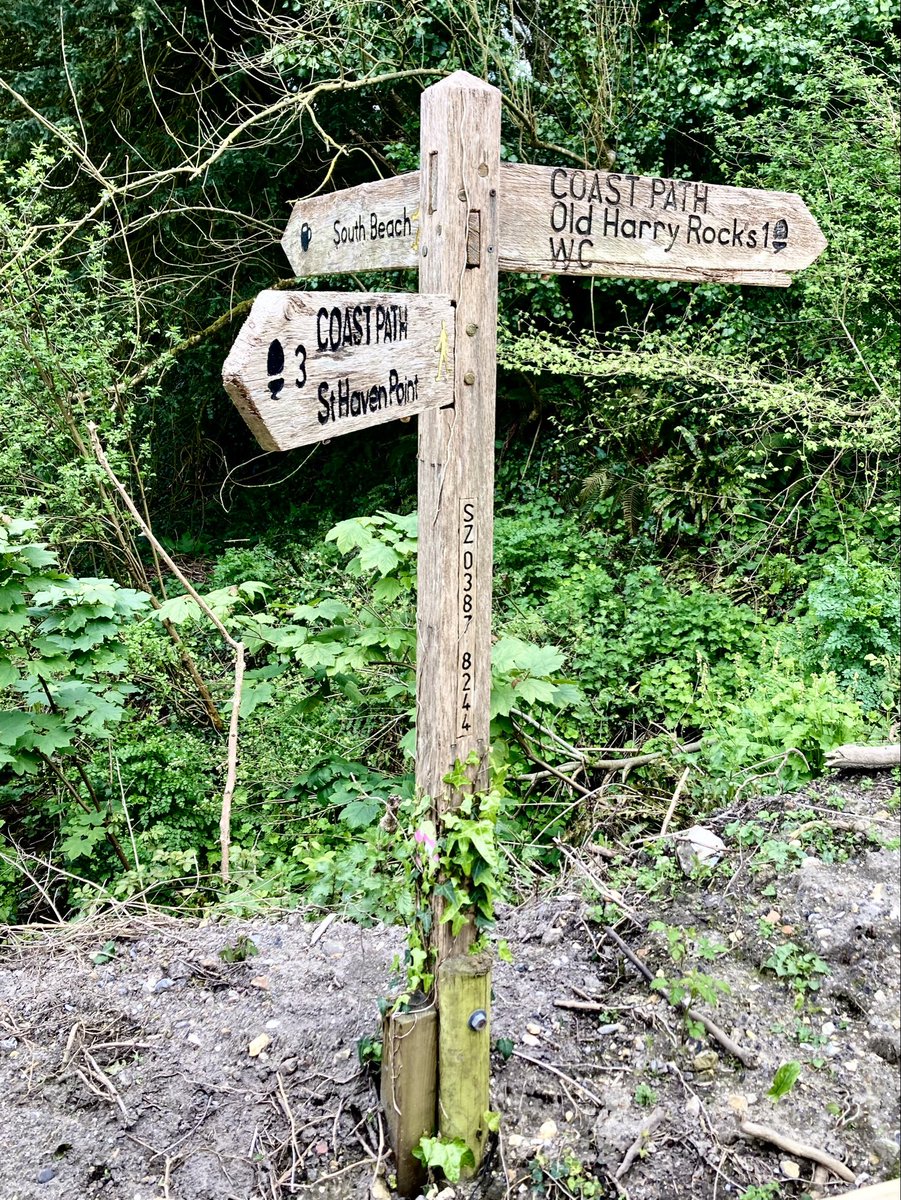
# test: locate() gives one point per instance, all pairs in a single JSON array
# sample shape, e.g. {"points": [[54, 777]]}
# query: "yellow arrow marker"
{"points": [[414, 245], [441, 351]]}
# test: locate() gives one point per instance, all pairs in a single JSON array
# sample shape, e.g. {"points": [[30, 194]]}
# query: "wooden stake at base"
{"points": [[409, 1071], [464, 1041]]}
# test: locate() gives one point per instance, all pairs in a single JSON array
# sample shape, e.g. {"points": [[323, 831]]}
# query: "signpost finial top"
{"points": [[462, 81]]}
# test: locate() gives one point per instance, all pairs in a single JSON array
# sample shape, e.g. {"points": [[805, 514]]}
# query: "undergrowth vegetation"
{"points": [[696, 510]]}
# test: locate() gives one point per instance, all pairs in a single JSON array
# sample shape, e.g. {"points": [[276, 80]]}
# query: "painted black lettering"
{"points": [[559, 171], [321, 339], [322, 397], [559, 252]]}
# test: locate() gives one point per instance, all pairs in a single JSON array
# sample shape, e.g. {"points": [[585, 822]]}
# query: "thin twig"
{"points": [[729, 1045], [606, 893], [238, 647], [231, 774], [536, 1062], [763, 1133], [675, 800], [644, 1135]]}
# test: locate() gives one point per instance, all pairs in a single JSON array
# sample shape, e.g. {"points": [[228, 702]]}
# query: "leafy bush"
{"points": [[781, 728], [849, 622]]}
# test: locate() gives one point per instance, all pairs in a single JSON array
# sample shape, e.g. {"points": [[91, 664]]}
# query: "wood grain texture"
{"points": [[553, 220], [372, 227], [890, 1190], [464, 988], [409, 1089], [461, 150], [308, 366], [565, 221]]}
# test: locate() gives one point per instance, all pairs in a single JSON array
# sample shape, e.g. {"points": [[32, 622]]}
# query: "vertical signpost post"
{"points": [[308, 366], [458, 247]]}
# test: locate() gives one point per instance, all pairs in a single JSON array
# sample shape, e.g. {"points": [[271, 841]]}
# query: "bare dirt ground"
{"points": [[131, 1079]]}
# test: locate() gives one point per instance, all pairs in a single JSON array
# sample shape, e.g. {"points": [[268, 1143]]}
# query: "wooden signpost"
{"points": [[308, 366]]}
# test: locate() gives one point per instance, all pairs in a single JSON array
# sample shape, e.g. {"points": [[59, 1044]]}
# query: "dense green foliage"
{"points": [[697, 517]]}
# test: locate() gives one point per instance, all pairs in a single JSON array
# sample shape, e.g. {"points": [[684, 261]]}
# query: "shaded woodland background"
{"points": [[697, 518]]}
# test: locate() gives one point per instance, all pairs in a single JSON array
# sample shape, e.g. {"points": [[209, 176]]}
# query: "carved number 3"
{"points": [[275, 365]]}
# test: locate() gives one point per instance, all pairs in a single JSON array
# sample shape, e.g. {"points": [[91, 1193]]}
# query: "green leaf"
{"points": [[512, 654], [13, 725], [784, 1080], [360, 813], [447, 1156], [504, 1047], [105, 954]]}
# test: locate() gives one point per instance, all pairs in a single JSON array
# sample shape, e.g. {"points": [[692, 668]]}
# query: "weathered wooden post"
{"points": [[458, 249]]}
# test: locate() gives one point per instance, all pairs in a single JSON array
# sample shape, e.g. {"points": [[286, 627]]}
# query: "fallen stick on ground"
{"points": [[644, 1136], [763, 1133], [732, 1047], [890, 1190], [864, 758]]}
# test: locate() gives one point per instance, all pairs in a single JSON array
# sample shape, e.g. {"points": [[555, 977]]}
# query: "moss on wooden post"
{"points": [[464, 1046]]}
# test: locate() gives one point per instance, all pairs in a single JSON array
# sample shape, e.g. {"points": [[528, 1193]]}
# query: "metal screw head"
{"points": [[478, 1020], [483, 169], [469, 378]]}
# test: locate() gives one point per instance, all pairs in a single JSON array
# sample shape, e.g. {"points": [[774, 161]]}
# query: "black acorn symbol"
{"points": [[780, 234], [275, 364], [306, 236]]}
